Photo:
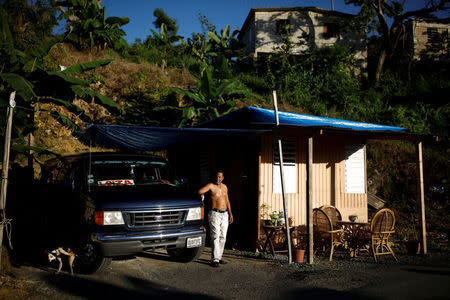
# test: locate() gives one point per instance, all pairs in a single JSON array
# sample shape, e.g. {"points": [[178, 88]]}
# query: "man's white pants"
{"points": [[218, 225]]}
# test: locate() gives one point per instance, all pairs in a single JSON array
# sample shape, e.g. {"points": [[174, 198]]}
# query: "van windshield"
{"points": [[128, 172]]}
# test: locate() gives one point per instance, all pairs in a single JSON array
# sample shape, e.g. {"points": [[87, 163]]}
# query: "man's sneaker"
{"points": [[215, 264], [222, 262]]}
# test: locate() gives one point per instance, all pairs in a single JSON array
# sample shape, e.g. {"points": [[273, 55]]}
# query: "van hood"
{"points": [[161, 196]]}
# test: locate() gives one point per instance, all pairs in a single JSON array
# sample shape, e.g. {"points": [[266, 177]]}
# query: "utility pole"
{"points": [[280, 148], [5, 167], [332, 4]]}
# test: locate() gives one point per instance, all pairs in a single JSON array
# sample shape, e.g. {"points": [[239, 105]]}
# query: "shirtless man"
{"points": [[219, 217]]}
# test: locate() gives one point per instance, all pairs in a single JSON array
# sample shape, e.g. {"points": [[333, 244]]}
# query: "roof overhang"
{"points": [[142, 138], [259, 118], [372, 135]]}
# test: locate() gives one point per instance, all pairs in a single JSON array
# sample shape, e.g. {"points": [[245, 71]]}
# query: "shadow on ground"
{"points": [[89, 288], [321, 293]]}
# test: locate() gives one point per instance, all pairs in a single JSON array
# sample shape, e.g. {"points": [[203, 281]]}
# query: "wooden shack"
{"points": [[324, 162]]}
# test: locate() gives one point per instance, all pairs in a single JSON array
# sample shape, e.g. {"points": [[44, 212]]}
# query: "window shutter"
{"points": [[290, 166], [355, 169]]}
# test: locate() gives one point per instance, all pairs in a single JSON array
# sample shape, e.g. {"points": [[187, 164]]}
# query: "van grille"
{"points": [[156, 218]]}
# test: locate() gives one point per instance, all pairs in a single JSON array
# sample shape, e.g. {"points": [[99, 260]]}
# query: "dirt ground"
{"points": [[244, 277]]}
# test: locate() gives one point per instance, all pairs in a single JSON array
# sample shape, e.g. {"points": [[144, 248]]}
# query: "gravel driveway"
{"points": [[244, 277]]}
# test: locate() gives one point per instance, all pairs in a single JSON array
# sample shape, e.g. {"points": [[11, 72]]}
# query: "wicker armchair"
{"points": [[333, 213], [325, 236], [381, 228]]}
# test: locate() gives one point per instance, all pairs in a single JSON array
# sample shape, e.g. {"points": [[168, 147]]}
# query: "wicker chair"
{"points": [[381, 228], [324, 234], [333, 213]]}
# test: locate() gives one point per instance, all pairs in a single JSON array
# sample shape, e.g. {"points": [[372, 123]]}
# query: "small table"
{"points": [[270, 231], [355, 235]]}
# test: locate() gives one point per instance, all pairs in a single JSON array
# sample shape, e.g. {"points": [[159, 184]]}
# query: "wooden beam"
{"points": [[309, 202], [421, 197], [259, 193], [5, 166]]}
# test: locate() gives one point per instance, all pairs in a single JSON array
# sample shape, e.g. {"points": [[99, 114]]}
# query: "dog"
{"points": [[57, 253]]}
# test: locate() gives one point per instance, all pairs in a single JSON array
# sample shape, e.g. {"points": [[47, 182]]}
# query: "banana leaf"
{"points": [[65, 121], [214, 37], [68, 79], [6, 40], [22, 148], [190, 94], [83, 67], [98, 98], [189, 112], [207, 84], [69, 105], [117, 20], [23, 87]]}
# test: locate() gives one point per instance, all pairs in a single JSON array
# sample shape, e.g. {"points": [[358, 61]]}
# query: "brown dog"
{"points": [[56, 254]]}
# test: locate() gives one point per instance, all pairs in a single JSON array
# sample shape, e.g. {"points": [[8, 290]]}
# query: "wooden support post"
{"points": [[283, 190], [259, 194], [309, 202], [421, 198], [5, 166]]}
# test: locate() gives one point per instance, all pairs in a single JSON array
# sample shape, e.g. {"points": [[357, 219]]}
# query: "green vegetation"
{"points": [[88, 28], [23, 72]]}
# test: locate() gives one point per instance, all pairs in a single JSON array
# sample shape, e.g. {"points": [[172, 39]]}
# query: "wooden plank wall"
{"points": [[328, 180]]}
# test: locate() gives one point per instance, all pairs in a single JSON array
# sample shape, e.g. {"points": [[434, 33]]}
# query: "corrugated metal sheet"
{"points": [[328, 179]]}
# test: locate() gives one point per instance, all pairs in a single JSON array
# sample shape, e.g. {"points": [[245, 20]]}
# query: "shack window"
{"points": [[355, 169], [283, 26], [331, 30], [290, 166]]}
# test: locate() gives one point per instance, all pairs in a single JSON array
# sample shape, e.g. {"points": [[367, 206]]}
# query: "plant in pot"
{"points": [[275, 218], [299, 253], [265, 216], [412, 243], [291, 221], [411, 239]]}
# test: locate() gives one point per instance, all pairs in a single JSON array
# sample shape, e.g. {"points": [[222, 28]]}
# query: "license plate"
{"points": [[194, 242]]}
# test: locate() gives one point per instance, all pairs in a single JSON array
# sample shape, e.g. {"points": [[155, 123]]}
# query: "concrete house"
{"points": [[430, 38], [312, 26]]}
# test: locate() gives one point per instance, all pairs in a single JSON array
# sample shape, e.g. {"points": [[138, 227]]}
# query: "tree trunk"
{"points": [[380, 64]]}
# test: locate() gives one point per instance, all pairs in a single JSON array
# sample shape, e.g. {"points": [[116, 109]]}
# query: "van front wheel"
{"points": [[90, 260]]}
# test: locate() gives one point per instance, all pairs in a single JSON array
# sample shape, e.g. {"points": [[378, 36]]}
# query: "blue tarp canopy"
{"points": [[247, 116], [141, 138], [235, 124]]}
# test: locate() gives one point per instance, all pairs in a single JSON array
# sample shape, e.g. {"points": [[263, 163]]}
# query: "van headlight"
{"points": [[109, 218], [195, 213]]}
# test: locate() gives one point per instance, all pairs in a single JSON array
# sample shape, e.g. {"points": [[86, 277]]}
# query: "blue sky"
{"points": [[219, 13]]}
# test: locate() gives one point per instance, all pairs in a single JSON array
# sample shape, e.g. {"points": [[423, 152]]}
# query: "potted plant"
{"points": [[411, 240], [299, 254], [291, 221], [275, 218], [264, 209]]}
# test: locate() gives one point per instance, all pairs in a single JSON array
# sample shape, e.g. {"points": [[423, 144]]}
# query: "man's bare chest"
{"points": [[218, 191]]}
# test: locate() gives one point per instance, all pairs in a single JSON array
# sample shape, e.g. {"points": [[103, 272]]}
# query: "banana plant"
{"points": [[212, 97], [22, 72], [226, 44], [89, 27], [163, 38]]}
